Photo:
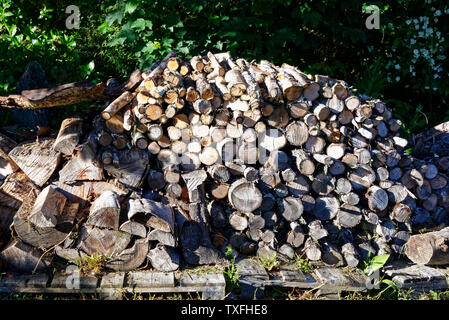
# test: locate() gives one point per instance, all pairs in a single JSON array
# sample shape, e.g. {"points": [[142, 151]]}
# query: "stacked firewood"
{"points": [[192, 156]]}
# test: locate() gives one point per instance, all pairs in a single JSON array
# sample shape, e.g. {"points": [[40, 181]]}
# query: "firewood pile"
{"points": [[192, 156]]}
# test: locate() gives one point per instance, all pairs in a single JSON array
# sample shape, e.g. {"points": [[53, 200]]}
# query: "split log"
{"points": [[20, 257], [83, 166], [48, 206], [134, 228], [130, 259], [68, 136], [165, 238], [105, 211], [37, 160], [43, 237], [164, 259], [132, 167], [16, 188], [109, 243], [195, 241], [162, 217]]}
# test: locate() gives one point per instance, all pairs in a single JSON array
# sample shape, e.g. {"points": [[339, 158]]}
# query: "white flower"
{"points": [[412, 41], [398, 78], [413, 73], [408, 22], [438, 13], [397, 67]]}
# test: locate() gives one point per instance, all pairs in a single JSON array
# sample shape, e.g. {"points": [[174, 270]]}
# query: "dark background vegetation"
{"points": [[403, 62]]}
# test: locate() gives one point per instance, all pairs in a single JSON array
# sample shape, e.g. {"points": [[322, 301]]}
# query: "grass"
{"points": [[231, 274], [269, 263], [303, 264], [90, 264]]}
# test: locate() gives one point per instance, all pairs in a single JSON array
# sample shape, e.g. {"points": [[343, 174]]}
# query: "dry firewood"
{"points": [[164, 259], [297, 133], [197, 63], [312, 250], [315, 145], [326, 208], [377, 198], [83, 166], [20, 257], [162, 217], [134, 228], [290, 88], [323, 184], [400, 212], [105, 211], [130, 259], [110, 243], [428, 248], [62, 95], [37, 160], [316, 230], [362, 177], [44, 237], [295, 236], [291, 208], [349, 216], [331, 255], [68, 136], [48, 205], [132, 167], [244, 196], [153, 77], [165, 238], [116, 105], [335, 150]]}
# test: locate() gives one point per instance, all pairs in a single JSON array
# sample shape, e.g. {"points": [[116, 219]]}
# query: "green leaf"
{"points": [[139, 24], [130, 7], [376, 263]]}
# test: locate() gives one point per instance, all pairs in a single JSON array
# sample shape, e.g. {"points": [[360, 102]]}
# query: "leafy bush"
{"points": [[404, 62]]}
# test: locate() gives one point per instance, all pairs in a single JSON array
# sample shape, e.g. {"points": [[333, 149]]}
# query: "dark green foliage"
{"points": [[397, 63]]}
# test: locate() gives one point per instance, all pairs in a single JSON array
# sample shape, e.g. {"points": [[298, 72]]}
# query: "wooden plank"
{"points": [[419, 277], [112, 280], [85, 282], [18, 282], [252, 276], [335, 280], [201, 280], [149, 280]]}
